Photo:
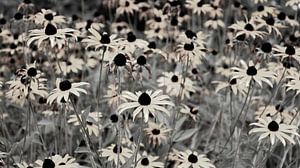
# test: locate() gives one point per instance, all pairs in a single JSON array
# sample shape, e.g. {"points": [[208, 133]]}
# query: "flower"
{"points": [[288, 51], [191, 111], [50, 32], [264, 11], [91, 122], [292, 3], [175, 86], [193, 52], [126, 7], [72, 64], [112, 153], [198, 6], [57, 161], [24, 165], [48, 16], [249, 29], [251, 72], [148, 102], [192, 159], [132, 43], [157, 133], [235, 87], [274, 129], [148, 161], [270, 24], [119, 59], [63, 90], [214, 23], [101, 41]]}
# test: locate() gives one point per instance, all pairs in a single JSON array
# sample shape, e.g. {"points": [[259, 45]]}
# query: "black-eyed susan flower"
{"points": [[57, 161], [148, 102], [192, 159], [48, 16], [63, 90], [115, 153], [157, 133], [274, 129]]}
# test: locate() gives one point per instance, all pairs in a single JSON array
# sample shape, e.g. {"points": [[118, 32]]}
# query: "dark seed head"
{"points": [[174, 21], [232, 81], [65, 85], [270, 21], [279, 108], [293, 38], [13, 46], [2, 21], [190, 34], [290, 50], [155, 131], [74, 17], [114, 118], [48, 163], [251, 71], [195, 111], [127, 4], [273, 126], [174, 78], [120, 60], [157, 19], [42, 100], [260, 8], [49, 16], [152, 44], [144, 99], [200, 3], [236, 4], [31, 72], [281, 16], [27, 1], [188, 47], [88, 24], [18, 16], [291, 17], [116, 148], [241, 37], [193, 158], [50, 30], [131, 37], [266, 47], [145, 162], [62, 163], [105, 38], [89, 123], [249, 27], [141, 60], [194, 71]]}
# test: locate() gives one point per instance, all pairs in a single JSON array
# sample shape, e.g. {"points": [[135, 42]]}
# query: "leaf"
{"points": [[179, 123], [184, 134]]}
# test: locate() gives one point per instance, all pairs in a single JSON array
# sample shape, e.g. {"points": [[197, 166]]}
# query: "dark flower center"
{"points": [[2, 21], [174, 78], [273, 126], [89, 123], [193, 158], [281, 16], [114, 118], [62, 163], [141, 60], [152, 44], [29, 167], [144, 99], [236, 4], [155, 131], [279, 108], [241, 37], [193, 111], [105, 38], [145, 162], [200, 3], [50, 30], [88, 24], [31, 72], [232, 81], [260, 8], [293, 38], [194, 71], [157, 19], [291, 17], [127, 4], [266, 47], [74, 17], [13, 46], [249, 27], [251, 71], [131, 37], [49, 16], [120, 60], [65, 85], [27, 1], [48, 163], [116, 148], [42, 100], [270, 21], [190, 34], [290, 50], [18, 16], [188, 47]]}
